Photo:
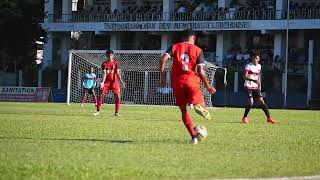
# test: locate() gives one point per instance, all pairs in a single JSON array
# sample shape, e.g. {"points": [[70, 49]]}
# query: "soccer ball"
{"points": [[201, 132]]}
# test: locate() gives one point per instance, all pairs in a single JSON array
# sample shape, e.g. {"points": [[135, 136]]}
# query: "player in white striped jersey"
{"points": [[252, 84]]}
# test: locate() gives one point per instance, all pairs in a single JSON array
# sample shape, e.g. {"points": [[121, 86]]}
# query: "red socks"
{"points": [[188, 123]]}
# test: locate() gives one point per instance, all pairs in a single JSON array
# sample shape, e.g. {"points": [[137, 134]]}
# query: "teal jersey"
{"points": [[89, 81]]}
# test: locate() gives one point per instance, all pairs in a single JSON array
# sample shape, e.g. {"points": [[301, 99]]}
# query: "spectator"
{"points": [[182, 9]]}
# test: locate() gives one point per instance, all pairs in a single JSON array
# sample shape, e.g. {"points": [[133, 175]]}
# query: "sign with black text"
{"points": [[161, 26]]}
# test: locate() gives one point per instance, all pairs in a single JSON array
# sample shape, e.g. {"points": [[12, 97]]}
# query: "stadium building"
{"points": [[287, 35]]}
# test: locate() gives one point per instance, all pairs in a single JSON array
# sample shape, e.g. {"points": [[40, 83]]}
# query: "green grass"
{"points": [[56, 141]]}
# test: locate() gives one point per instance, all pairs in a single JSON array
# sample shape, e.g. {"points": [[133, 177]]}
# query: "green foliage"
{"points": [[21, 30], [9, 10], [56, 141]]}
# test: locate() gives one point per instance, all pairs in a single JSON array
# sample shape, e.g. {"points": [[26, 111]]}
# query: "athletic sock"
{"points": [[99, 105], [188, 123], [82, 99], [265, 109], [246, 111], [117, 105]]}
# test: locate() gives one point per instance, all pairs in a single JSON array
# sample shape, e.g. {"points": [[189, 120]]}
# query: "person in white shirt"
{"points": [[252, 84]]}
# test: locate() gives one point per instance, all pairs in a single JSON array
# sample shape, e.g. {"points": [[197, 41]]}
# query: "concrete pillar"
{"points": [[284, 86], [168, 7], [115, 4], [236, 82], [66, 10], [279, 45], [48, 7], [166, 41], [59, 79], [219, 48], [47, 50], [310, 62], [115, 41], [20, 80], [65, 46], [280, 6]]}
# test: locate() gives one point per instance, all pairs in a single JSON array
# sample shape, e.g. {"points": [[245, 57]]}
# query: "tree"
{"points": [[20, 30]]}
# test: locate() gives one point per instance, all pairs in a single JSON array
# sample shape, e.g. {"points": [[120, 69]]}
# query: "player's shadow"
{"points": [[65, 139]]}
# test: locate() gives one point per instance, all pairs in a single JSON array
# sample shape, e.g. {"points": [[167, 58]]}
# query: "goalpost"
{"points": [[139, 70]]}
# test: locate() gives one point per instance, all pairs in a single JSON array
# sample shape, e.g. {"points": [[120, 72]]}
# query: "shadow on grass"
{"points": [[164, 141], [65, 139]]}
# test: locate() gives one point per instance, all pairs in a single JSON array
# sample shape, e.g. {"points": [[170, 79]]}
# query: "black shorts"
{"points": [[90, 91], [254, 93]]}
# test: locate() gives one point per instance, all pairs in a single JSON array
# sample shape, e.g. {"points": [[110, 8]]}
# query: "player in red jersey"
{"points": [[187, 71], [252, 84], [110, 82]]}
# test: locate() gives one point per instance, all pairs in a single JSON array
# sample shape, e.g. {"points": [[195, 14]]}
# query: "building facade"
{"points": [[229, 30]]}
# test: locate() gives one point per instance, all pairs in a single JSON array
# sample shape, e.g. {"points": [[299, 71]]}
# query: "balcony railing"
{"points": [[305, 14], [212, 16], [138, 17]]}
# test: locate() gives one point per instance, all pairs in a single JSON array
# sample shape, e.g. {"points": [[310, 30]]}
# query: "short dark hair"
{"points": [[255, 54], [188, 32], [109, 51]]}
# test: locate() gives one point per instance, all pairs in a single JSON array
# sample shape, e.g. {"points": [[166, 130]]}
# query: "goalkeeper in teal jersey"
{"points": [[89, 83]]}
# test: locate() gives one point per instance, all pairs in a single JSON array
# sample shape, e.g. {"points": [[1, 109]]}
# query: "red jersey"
{"points": [[111, 68], [186, 57]]}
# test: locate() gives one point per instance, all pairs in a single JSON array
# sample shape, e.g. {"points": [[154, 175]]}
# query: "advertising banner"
{"points": [[24, 94]]}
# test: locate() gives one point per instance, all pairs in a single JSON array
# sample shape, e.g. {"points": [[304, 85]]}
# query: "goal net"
{"points": [[139, 70]]}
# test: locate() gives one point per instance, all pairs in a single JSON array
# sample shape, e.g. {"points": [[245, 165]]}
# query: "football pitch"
{"points": [[57, 141]]}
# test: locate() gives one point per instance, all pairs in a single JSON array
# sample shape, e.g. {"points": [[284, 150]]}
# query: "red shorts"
{"points": [[188, 95], [111, 87]]}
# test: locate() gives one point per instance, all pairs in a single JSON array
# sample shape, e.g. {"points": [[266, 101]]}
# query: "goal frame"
{"points": [[70, 64]]}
